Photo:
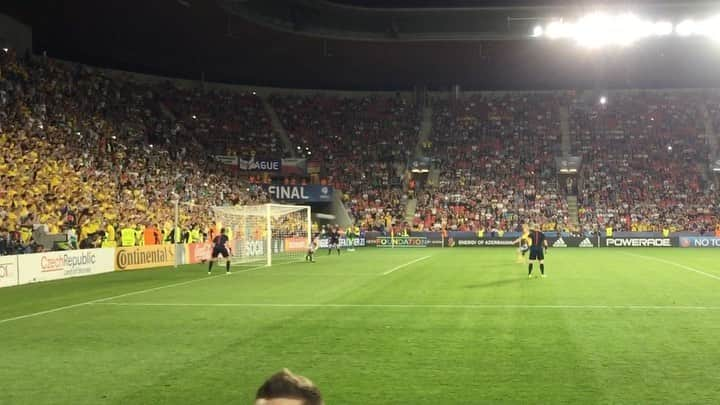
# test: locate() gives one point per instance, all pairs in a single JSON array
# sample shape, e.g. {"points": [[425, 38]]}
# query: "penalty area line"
{"points": [[405, 265], [678, 265], [421, 306], [129, 294]]}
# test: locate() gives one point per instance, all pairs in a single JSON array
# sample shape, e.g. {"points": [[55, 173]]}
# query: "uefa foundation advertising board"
{"points": [[143, 257]]}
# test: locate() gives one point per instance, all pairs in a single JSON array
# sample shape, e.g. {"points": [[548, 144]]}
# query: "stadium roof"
{"points": [[187, 38]]}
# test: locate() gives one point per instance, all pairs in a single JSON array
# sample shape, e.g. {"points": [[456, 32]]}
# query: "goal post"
{"points": [[266, 234]]}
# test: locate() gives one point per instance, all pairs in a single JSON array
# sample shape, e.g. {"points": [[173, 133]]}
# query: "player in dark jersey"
{"points": [[334, 240], [220, 247], [538, 246]]}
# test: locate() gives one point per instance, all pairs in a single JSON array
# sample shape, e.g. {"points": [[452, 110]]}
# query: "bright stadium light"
{"points": [[709, 28], [603, 100], [537, 31], [597, 30], [685, 28], [557, 29]]}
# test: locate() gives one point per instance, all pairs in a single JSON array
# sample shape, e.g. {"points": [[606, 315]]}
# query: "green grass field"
{"points": [[461, 326]]}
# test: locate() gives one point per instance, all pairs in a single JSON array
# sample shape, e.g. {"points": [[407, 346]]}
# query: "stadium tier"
{"points": [[86, 151]]}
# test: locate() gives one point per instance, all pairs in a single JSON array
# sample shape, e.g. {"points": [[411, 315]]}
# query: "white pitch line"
{"points": [[102, 300], [679, 265], [417, 306], [405, 265]]}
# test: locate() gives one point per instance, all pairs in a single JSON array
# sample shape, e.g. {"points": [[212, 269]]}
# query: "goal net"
{"points": [[266, 234]]}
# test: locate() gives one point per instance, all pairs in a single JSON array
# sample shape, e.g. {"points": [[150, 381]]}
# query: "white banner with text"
{"points": [[48, 266]]}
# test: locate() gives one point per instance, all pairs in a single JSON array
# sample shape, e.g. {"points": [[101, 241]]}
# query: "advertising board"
{"points": [[401, 242], [8, 271], [699, 242], [63, 264], [637, 242], [143, 257]]}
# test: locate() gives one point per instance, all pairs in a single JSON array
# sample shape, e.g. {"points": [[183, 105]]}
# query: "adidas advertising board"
{"points": [[572, 242]]}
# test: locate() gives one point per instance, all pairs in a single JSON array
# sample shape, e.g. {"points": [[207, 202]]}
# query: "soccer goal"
{"points": [[266, 234]]}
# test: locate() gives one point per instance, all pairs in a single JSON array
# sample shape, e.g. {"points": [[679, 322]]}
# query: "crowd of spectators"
{"points": [[645, 162], [364, 144], [223, 122], [81, 152], [496, 157]]}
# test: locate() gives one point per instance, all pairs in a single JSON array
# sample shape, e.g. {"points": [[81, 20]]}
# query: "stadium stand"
{"points": [[496, 156], [361, 141], [82, 152], [644, 167]]}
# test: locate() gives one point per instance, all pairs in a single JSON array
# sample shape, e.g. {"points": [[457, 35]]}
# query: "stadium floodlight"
{"points": [[597, 30], [603, 100], [537, 31], [709, 28], [558, 29], [686, 28], [716, 169]]}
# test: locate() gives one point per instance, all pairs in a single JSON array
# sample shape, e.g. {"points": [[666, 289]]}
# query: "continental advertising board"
{"points": [[143, 257], [48, 266]]}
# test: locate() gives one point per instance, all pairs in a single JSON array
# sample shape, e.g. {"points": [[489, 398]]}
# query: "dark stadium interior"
{"points": [[166, 37]]}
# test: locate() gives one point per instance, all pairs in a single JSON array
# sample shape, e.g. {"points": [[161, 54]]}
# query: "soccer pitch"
{"points": [[396, 326]]}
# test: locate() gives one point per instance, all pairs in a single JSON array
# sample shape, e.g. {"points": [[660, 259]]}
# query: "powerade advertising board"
{"points": [[637, 242]]}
